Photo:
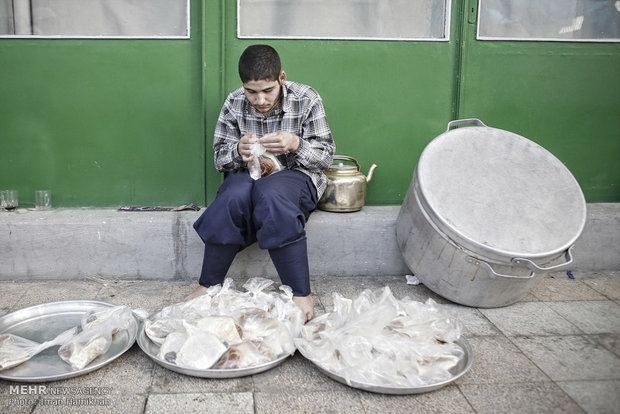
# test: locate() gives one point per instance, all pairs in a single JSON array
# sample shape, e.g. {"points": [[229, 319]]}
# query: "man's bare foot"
{"points": [[199, 291], [306, 304]]}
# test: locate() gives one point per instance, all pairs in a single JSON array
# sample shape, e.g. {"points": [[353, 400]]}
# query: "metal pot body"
{"points": [[346, 187], [487, 213]]}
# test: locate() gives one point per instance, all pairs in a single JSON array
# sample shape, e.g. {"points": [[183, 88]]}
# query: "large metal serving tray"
{"points": [[152, 349], [41, 323], [459, 370]]}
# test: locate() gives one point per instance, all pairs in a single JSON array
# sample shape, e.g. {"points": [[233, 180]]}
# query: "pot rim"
{"points": [[470, 242]]}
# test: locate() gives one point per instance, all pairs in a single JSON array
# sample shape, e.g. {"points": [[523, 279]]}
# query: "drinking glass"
{"points": [[43, 199], [9, 200]]}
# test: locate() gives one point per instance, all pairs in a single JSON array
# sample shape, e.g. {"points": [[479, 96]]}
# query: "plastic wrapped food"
{"points": [[171, 346], [223, 327], [242, 328], [95, 338], [242, 355], [200, 350], [159, 330], [263, 163], [93, 318], [15, 350], [379, 340]]}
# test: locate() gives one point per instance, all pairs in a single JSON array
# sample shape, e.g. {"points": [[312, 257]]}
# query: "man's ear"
{"points": [[282, 77]]}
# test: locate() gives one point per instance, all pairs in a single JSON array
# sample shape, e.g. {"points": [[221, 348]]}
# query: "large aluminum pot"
{"points": [[487, 212]]}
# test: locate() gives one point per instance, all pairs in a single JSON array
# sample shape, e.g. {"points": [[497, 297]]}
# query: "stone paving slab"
{"points": [[570, 357], [607, 284], [594, 396], [557, 350], [544, 397], [592, 317], [209, 403], [530, 318]]}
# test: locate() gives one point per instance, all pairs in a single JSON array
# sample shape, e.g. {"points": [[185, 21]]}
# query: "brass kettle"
{"points": [[346, 186]]}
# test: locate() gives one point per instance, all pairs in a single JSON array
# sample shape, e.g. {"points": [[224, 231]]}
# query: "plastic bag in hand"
{"points": [[263, 163]]}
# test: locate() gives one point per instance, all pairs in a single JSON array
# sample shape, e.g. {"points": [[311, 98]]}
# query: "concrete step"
{"points": [[76, 243]]}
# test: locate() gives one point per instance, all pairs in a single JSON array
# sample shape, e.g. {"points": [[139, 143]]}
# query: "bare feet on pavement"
{"points": [[306, 304], [199, 291]]}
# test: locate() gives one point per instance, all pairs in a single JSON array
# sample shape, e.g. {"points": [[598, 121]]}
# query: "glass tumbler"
{"points": [[9, 199], [43, 199]]}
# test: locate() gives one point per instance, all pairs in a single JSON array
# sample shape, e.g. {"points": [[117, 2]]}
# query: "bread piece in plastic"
{"points": [[95, 338], [15, 350], [243, 329], [263, 163], [380, 340]]}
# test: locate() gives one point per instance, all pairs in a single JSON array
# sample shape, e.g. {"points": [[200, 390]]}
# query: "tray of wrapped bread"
{"points": [[381, 344], [226, 332], [60, 340]]}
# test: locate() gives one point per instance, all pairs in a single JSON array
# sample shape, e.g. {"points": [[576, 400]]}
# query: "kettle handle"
{"points": [[347, 158]]}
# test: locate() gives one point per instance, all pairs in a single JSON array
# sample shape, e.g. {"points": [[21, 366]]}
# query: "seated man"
{"points": [[289, 120]]}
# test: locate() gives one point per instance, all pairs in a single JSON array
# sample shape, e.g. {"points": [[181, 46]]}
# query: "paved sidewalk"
{"points": [[556, 351]]}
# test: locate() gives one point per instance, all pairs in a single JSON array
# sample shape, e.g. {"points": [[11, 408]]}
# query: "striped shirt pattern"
{"points": [[299, 111]]}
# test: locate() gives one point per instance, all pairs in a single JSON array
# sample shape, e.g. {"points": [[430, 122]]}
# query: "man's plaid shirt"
{"points": [[299, 111]]}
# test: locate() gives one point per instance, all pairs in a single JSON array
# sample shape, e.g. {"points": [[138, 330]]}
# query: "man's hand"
{"points": [[245, 146], [280, 142]]}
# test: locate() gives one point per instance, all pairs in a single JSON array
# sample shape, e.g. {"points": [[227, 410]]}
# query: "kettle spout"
{"points": [[370, 171]]}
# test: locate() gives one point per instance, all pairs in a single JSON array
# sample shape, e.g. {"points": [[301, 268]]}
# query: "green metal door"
{"points": [[560, 92]]}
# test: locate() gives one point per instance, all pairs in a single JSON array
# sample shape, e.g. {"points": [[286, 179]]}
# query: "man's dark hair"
{"points": [[259, 62]]}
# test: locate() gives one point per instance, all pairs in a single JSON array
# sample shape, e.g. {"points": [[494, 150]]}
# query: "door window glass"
{"points": [[94, 18], [344, 19], [560, 20]]}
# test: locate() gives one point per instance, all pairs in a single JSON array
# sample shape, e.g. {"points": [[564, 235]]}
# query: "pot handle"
{"points": [[535, 268], [528, 263], [492, 273], [461, 122], [347, 158]]}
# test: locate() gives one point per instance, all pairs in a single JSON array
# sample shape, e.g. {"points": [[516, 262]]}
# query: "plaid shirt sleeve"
{"points": [[316, 147], [227, 135]]}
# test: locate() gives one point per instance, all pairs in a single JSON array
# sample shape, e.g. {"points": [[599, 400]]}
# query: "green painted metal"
{"points": [[564, 96], [103, 122], [130, 122]]}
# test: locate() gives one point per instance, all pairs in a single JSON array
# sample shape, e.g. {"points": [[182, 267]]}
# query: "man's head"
{"points": [[259, 62], [262, 77]]}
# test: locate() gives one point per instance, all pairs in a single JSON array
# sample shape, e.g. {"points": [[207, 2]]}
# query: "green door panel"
{"points": [[103, 122], [564, 96]]}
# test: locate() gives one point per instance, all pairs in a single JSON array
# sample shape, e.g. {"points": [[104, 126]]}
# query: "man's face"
{"points": [[263, 94]]}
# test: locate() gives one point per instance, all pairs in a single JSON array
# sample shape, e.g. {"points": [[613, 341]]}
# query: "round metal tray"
{"points": [[41, 323], [459, 370], [152, 349]]}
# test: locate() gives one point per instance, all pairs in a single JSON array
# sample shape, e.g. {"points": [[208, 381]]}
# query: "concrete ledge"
{"points": [[75, 243]]}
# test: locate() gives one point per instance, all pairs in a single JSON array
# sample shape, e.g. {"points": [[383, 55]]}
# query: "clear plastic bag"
{"points": [[200, 350], [263, 163], [93, 317], [380, 340], [171, 346], [260, 319], [96, 338], [15, 350], [243, 355]]}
